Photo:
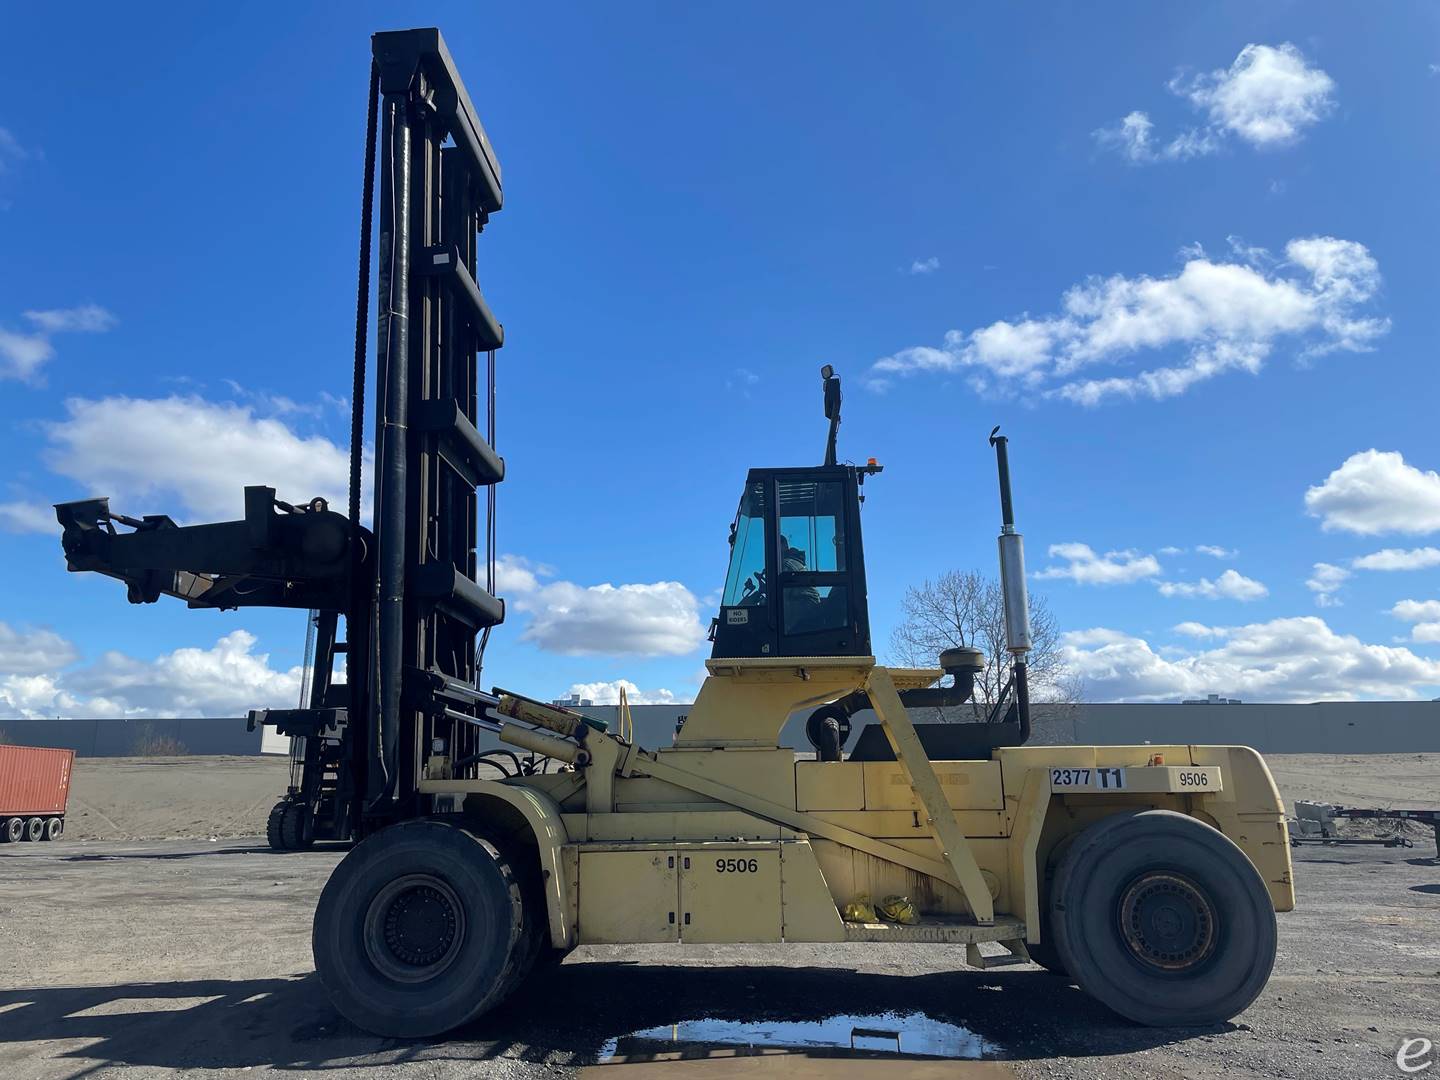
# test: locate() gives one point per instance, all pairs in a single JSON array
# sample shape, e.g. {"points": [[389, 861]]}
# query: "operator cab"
{"points": [[796, 583]]}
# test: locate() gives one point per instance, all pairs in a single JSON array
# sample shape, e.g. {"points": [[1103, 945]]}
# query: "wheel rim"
{"points": [[414, 928], [1168, 921]]}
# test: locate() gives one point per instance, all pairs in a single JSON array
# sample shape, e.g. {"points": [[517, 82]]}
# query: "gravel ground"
{"points": [[158, 957]]}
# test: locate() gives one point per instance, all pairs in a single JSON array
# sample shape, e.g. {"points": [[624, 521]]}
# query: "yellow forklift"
{"points": [[1150, 875]]}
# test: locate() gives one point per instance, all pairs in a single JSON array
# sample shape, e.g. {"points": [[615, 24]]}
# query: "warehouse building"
{"points": [[1333, 727]]}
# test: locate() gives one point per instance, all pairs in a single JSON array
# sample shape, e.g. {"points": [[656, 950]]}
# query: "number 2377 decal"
{"points": [[1105, 779]]}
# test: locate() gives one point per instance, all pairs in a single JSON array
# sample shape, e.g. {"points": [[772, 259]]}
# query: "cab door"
{"points": [[820, 580]]}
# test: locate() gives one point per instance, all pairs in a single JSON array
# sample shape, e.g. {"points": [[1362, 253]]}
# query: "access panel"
{"points": [[730, 892], [628, 896]]}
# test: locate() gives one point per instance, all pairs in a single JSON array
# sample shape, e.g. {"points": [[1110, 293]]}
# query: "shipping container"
{"points": [[34, 788]]}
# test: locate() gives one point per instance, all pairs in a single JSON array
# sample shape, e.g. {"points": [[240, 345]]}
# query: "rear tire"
{"points": [[54, 828], [12, 830], [420, 929], [35, 829], [1048, 957], [1163, 919]]}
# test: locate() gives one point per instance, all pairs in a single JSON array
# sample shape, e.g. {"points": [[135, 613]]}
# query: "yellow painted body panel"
{"points": [[822, 834], [627, 896], [730, 892]]}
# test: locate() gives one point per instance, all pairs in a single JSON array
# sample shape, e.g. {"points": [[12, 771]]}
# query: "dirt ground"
{"points": [[147, 959], [228, 797]]}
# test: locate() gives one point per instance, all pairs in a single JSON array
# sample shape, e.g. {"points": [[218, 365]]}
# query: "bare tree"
{"points": [[151, 743], [968, 608]]}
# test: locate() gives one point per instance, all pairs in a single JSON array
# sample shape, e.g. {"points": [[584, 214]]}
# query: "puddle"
{"points": [[911, 1034]]}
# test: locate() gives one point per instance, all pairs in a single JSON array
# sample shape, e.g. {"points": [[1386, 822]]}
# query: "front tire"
{"points": [[12, 831], [274, 831], [1163, 919], [297, 827], [419, 930]]}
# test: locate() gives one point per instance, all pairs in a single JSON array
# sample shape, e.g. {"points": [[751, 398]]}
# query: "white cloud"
{"points": [[1217, 316], [1425, 614], [1200, 630], [1267, 98], [11, 151], [657, 619], [742, 379], [514, 574], [226, 680], [1216, 552], [86, 319], [1231, 585], [925, 266], [192, 458], [1170, 549], [1375, 491], [23, 354], [1085, 567], [1132, 138], [31, 697], [1294, 659], [1325, 581], [1417, 610], [608, 693], [28, 517], [1399, 559], [27, 652]]}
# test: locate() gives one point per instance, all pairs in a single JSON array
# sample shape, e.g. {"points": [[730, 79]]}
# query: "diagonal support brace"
{"points": [[941, 820]]}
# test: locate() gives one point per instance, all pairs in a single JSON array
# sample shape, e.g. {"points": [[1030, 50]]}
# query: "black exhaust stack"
{"points": [[1012, 587]]}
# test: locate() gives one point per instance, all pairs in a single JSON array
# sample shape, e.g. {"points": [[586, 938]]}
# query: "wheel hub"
{"points": [[414, 928], [1168, 921]]}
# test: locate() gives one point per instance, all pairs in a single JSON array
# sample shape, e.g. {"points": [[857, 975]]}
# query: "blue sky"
{"points": [[1184, 257]]}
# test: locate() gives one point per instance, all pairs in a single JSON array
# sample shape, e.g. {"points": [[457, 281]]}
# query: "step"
{"points": [[942, 930]]}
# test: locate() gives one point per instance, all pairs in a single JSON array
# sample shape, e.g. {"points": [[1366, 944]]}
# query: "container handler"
{"points": [[1150, 875]]}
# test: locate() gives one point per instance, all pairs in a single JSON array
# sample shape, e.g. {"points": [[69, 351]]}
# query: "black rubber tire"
{"points": [[297, 827], [478, 969], [1048, 956], [1117, 855], [54, 828], [274, 834], [35, 829], [12, 830]]}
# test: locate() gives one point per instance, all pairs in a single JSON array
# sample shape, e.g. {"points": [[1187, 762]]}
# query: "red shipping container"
{"points": [[34, 780]]}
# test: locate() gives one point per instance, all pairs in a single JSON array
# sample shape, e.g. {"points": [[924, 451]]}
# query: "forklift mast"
{"points": [[416, 591]]}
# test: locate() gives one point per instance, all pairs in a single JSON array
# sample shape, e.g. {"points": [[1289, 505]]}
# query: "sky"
{"points": [[1184, 256]]}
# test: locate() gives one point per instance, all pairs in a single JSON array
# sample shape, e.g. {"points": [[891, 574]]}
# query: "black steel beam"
{"points": [[462, 445], [443, 261], [401, 55]]}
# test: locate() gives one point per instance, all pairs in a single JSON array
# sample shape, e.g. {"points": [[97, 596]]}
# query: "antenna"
{"points": [[832, 409]]}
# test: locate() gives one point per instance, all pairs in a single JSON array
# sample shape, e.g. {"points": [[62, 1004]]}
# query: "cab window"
{"points": [[812, 529], [745, 580]]}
